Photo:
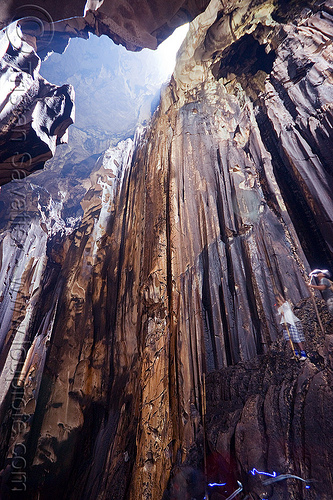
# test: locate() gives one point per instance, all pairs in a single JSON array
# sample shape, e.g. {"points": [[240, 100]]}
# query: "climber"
{"points": [[293, 330], [325, 286]]}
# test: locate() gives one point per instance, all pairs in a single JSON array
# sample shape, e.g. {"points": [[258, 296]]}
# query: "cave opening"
{"points": [[116, 90], [244, 57], [289, 9]]}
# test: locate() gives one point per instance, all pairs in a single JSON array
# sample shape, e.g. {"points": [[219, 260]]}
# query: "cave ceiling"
{"points": [[134, 24]]}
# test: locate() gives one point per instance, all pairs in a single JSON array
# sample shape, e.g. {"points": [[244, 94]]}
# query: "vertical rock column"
{"points": [[298, 104], [204, 247]]}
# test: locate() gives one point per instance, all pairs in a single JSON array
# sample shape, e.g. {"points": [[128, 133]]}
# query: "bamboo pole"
{"points": [[316, 308]]}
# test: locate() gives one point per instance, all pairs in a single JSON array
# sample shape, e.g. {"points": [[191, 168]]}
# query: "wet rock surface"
{"points": [[169, 278]]}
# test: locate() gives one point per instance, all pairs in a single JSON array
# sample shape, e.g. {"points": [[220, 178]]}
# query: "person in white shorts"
{"points": [[292, 327]]}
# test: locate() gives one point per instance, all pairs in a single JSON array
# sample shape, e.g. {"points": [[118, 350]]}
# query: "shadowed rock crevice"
{"points": [[313, 242], [242, 61]]}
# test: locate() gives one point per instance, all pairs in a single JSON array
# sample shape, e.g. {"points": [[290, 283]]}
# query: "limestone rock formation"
{"points": [[271, 414], [169, 280], [133, 24], [34, 113]]}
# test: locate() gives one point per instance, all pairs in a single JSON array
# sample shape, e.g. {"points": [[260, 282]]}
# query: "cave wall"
{"points": [[188, 232]]}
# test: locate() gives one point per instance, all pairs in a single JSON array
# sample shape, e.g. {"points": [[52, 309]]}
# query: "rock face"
{"points": [[34, 114], [133, 24], [189, 231], [271, 414]]}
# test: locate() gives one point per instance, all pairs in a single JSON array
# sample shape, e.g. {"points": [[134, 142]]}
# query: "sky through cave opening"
{"points": [[115, 89]]}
